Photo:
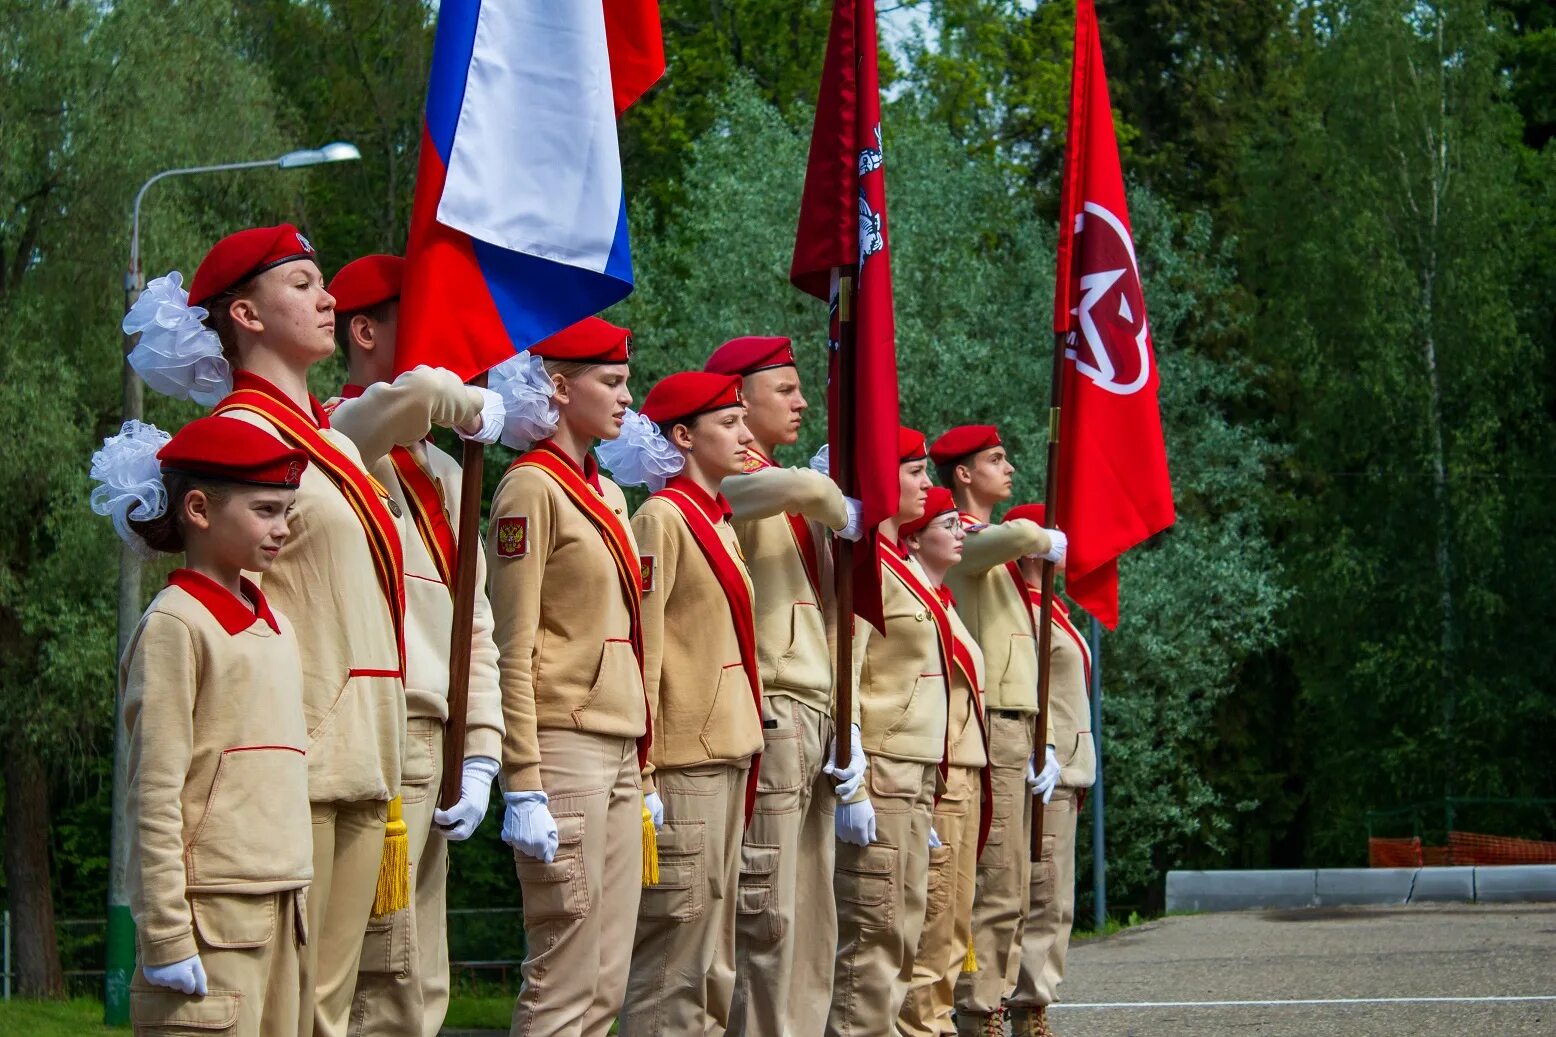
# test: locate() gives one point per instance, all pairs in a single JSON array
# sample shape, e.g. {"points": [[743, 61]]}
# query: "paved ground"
{"points": [[1474, 952]]}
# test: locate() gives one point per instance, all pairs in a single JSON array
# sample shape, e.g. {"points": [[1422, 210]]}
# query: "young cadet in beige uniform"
{"points": [[567, 604], [786, 927], [885, 828], [403, 981], [1045, 940], [961, 819], [213, 711], [704, 692], [972, 462], [272, 320]]}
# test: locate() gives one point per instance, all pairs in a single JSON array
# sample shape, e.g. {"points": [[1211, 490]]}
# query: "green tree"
{"points": [[94, 98]]}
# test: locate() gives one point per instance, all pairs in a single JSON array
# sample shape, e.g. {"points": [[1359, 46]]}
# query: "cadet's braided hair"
{"points": [[165, 533]]}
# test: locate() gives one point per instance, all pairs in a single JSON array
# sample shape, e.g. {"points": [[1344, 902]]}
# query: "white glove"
{"points": [[493, 415], [460, 821], [934, 839], [851, 777], [656, 809], [186, 977], [1043, 784], [856, 823], [1061, 545], [822, 461], [855, 527], [527, 825]]}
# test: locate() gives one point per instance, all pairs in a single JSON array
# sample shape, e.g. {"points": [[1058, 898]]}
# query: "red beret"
{"points": [[963, 440], [590, 341], [910, 444], [367, 282], [938, 504], [1030, 512], [750, 354], [688, 394], [248, 253], [230, 450]]}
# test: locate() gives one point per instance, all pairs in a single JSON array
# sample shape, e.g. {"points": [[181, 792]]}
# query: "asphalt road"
{"points": [[1325, 955]]}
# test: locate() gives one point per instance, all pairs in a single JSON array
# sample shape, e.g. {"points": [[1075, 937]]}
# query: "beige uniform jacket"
{"points": [[353, 689], [698, 692], [902, 685], [563, 628], [991, 602], [429, 602], [218, 771], [965, 733], [1069, 701], [795, 618]]}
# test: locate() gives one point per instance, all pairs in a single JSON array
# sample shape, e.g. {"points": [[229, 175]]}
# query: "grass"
{"points": [[1115, 925], [479, 1012], [81, 1016]]}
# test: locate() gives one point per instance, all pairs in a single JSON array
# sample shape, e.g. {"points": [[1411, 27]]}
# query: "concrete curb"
{"points": [[1337, 887]]}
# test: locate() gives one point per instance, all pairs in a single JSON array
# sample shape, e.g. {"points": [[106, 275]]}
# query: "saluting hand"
{"points": [[460, 821], [186, 977], [527, 825]]}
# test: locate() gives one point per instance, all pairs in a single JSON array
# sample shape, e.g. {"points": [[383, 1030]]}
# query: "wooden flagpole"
{"points": [[1045, 632], [842, 462], [469, 543]]}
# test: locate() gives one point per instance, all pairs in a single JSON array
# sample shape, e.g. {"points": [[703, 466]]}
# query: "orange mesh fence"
{"points": [[1464, 848], [1394, 853], [1474, 848]]}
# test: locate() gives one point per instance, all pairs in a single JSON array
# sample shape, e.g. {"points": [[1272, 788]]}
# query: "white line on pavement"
{"points": [[1314, 1001]]}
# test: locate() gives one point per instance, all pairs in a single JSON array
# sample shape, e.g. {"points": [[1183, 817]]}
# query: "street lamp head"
{"points": [[339, 151]]}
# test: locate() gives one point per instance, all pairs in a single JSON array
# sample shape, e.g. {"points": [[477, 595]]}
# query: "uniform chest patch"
{"points": [[513, 536], [646, 572]]}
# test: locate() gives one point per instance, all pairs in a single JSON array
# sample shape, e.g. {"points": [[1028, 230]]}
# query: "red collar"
{"points": [[249, 380], [234, 614], [946, 597], [756, 460], [716, 508], [590, 470], [351, 392]]}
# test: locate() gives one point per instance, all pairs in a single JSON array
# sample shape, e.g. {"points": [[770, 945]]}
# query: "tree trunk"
{"points": [[27, 874]]}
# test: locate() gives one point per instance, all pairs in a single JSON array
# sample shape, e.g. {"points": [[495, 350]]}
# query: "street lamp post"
{"points": [[120, 951]]}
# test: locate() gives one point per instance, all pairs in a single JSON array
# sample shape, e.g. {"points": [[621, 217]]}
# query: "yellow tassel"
{"points": [[970, 961], [650, 851], [394, 868]]}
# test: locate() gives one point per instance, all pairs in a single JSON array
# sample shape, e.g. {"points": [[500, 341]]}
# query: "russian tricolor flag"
{"points": [[519, 225]]}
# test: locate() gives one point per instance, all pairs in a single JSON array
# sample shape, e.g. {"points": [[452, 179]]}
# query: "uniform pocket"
{"points": [[782, 769], [940, 880], [1043, 875], [864, 881], [1010, 741], [559, 890], [1019, 676], [618, 670], [233, 920], [681, 893], [924, 686], [419, 762], [995, 856], [894, 779], [167, 1013], [256, 825], [758, 868], [806, 662], [732, 682]]}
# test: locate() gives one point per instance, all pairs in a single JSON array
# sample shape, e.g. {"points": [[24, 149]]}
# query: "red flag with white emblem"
{"points": [[1114, 489], [843, 230]]}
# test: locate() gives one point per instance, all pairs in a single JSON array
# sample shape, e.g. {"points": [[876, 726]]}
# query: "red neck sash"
{"points": [[963, 658], [799, 528], [426, 503], [1063, 622], [899, 567], [359, 488], [614, 535], [737, 591]]}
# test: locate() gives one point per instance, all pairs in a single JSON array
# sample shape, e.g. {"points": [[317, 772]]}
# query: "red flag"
{"points": [[843, 231], [1113, 488], [637, 49]]}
